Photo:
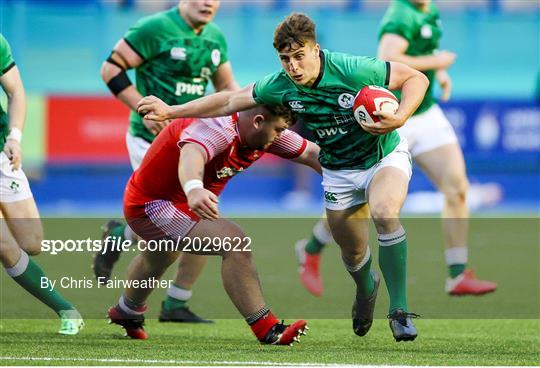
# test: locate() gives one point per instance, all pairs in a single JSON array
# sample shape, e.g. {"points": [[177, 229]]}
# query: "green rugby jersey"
{"points": [[6, 63], [422, 31], [326, 108], [178, 63]]}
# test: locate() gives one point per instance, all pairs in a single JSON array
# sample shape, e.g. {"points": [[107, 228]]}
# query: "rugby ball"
{"points": [[371, 99]]}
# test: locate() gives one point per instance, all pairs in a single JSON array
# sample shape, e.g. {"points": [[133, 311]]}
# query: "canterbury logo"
{"points": [[330, 197], [296, 105]]}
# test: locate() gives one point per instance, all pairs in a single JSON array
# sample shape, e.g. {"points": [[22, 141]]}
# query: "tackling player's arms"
{"points": [[218, 104], [310, 157], [191, 173]]}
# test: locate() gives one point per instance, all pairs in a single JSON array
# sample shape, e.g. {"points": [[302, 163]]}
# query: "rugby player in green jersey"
{"points": [[20, 225], [362, 165], [175, 54], [410, 33]]}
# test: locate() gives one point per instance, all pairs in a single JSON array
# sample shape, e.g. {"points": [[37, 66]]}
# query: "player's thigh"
{"points": [[387, 192], [9, 249], [22, 218], [217, 237], [350, 227], [445, 166]]}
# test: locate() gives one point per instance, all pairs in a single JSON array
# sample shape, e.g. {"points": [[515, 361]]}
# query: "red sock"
{"points": [[261, 326]]}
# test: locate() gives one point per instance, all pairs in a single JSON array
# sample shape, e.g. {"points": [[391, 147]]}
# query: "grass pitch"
{"points": [[230, 342], [497, 329]]}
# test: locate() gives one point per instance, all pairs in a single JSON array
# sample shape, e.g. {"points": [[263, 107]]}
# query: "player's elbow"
{"points": [[106, 72]]}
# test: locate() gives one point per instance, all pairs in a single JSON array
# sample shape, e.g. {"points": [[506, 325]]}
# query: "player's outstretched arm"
{"points": [[310, 157], [217, 104], [13, 86], [191, 173], [393, 47]]}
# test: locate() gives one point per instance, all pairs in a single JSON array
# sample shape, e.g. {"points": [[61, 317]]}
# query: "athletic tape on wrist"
{"points": [[192, 184], [15, 134]]}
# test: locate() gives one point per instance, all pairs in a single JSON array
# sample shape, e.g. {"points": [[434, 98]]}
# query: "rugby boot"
{"points": [[363, 308], [468, 284], [71, 322], [309, 268], [181, 315], [131, 323], [401, 325], [282, 334]]}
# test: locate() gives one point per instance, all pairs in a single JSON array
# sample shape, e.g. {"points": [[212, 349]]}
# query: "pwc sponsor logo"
{"points": [[183, 88]]}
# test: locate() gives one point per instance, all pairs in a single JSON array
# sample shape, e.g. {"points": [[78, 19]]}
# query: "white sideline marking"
{"points": [[172, 361]]}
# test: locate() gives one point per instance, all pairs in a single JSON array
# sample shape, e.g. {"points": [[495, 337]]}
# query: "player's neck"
{"points": [[196, 28], [424, 8]]}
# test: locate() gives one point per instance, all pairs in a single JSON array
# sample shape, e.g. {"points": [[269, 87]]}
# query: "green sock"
{"points": [[118, 231], [314, 246], [393, 263], [172, 302], [456, 269], [362, 277], [28, 274]]}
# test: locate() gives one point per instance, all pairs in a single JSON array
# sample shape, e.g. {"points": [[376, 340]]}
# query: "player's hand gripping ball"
{"points": [[371, 99]]}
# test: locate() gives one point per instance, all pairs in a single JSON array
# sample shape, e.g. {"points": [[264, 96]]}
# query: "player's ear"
{"points": [[258, 120]]}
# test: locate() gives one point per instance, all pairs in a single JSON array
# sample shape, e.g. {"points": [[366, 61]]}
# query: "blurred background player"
{"points": [[361, 164], [175, 53], [20, 225], [410, 33], [174, 196]]}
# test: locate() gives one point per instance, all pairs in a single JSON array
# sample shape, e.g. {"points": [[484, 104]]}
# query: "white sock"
{"points": [[456, 255], [393, 238], [321, 233], [123, 304], [179, 293], [20, 266]]}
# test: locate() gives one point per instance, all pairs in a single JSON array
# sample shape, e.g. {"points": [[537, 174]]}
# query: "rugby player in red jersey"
{"points": [[174, 195]]}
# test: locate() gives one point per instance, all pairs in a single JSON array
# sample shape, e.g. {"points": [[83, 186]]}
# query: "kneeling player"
{"points": [[173, 195]]}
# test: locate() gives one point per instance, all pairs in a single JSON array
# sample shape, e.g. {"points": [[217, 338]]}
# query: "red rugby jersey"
{"points": [[157, 177]]}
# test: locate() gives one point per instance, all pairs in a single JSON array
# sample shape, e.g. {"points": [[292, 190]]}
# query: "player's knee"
{"points": [[455, 189], [385, 211], [353, 257], [160, 258], [31, 242], [239, 247]]}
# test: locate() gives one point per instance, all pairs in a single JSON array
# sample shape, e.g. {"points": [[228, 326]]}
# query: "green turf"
{"points": [[497, 329], [441, 342]]}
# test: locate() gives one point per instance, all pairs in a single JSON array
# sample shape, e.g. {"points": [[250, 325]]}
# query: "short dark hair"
{"points": [[280, 111], [297, 29]]}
